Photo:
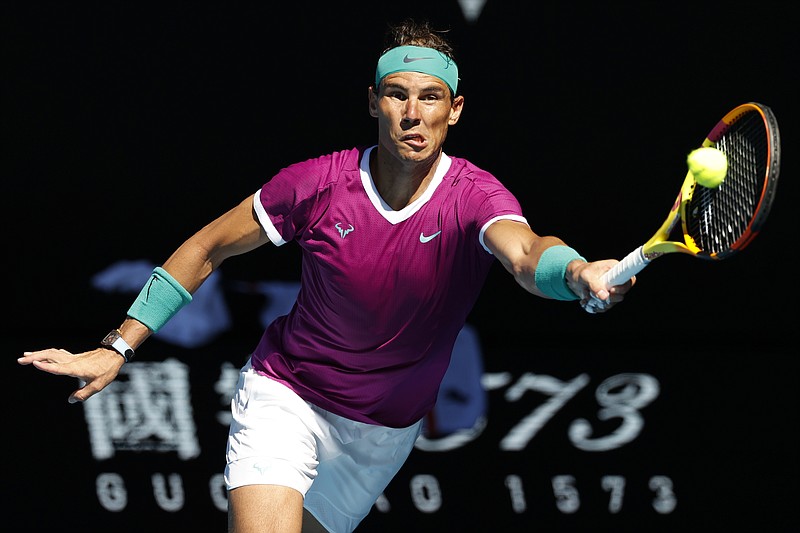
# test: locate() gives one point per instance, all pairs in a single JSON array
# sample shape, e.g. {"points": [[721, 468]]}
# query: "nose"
{"points": [[411, 111]]}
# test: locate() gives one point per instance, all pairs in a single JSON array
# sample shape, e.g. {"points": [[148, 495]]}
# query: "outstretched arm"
{"points": [[233, 233], [520, 251]]}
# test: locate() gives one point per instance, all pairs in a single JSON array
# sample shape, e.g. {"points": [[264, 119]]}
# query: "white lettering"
{"points": [[567, 499], [514, 485], [425, 493], [147, 408], [560, 393], [621, 397], [111, 492], [615, 486], [171, 499]]}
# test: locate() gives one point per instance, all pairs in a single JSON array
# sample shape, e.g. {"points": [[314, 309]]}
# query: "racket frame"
{"points": [[659, 244]]}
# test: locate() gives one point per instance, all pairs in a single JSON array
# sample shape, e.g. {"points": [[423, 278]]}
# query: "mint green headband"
{"points": [[418, 59]]}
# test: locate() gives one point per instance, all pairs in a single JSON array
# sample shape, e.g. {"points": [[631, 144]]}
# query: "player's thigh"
{"points": [[264, 508]]}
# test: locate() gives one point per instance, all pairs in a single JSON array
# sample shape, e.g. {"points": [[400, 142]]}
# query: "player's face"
{"points": [[414, 111]]}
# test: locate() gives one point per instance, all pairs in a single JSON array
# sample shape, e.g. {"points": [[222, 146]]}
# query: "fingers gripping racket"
{"points": [[717, 222]]}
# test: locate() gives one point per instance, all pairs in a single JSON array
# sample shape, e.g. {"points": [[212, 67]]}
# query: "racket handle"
{"points": [[631, 264]]}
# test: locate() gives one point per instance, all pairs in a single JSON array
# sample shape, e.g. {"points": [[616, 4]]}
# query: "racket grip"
{"points": [[631, 264]]}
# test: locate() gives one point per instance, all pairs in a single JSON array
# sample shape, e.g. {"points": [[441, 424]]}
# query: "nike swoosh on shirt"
{"points": [[427, 238], [412, 59]]}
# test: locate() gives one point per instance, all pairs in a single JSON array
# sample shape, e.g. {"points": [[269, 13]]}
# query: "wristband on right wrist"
{"points": [[550, 275]]}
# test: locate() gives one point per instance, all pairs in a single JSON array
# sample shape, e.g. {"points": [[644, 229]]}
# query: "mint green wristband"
{"points": [[550, 276], [159, 300]]}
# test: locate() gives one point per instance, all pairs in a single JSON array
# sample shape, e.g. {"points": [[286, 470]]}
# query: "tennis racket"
{"points": [[717, 223]]}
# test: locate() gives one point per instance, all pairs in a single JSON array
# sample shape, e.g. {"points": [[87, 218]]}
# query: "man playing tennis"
{"points": [[397, 240]]}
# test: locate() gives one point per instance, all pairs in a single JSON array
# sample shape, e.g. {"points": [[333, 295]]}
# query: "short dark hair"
{"points": [[412, 33]]}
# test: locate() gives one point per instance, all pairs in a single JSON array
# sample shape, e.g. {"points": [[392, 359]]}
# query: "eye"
{"points": [[397, 95]]}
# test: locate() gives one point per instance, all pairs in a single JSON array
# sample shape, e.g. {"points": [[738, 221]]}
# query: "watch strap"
{"points": [[114, 340]]}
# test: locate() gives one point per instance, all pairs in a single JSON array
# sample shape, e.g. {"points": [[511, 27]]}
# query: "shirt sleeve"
{"points": [[492, 202]]}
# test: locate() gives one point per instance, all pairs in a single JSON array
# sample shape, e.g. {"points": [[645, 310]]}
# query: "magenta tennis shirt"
{"points": [[383, 293]]}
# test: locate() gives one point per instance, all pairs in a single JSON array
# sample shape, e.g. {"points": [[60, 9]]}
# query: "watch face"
{"points": [[115, 341], [110, 338]]}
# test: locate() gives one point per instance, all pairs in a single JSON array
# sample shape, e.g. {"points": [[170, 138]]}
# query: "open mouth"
{"points": [[417, 141]]}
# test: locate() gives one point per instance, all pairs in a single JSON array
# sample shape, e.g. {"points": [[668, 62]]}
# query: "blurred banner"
{"points": [[560, 438]]}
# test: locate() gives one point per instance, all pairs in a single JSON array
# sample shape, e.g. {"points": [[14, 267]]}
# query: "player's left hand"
{"points": [[96, 368]]}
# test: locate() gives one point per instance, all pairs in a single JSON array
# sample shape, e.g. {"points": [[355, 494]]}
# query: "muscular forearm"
{"points": [[520, 257]]}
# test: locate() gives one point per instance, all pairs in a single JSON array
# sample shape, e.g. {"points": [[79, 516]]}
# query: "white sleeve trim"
{"points": [[265, 221], [517, 218]]}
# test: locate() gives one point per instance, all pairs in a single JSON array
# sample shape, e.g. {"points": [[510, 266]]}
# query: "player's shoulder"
{"points": [[464, 172], [341, 160], [324, 171]]}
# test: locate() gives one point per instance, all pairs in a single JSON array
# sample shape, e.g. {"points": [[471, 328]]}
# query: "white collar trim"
{"points": [[382, 207]]}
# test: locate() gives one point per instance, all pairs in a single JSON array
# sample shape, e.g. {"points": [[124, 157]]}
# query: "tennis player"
{"points": [[397, 240]]}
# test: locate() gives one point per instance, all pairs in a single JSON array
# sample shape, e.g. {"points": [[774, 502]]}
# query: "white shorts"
{"points": [[340, 466]]}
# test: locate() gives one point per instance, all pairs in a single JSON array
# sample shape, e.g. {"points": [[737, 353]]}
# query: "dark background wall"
{"points": [[127, 127]]}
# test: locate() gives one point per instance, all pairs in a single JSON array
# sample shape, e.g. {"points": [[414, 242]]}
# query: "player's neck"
{"points": [[400, 183]]}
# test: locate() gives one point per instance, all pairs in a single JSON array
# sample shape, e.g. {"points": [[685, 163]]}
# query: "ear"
{"points": [[373, 103], [455, 110]]}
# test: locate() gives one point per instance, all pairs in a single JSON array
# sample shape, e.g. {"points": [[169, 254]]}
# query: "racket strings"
{"points": [[718, 218]]}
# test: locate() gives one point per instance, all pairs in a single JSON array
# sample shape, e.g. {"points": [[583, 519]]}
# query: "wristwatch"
{"points": [[115, 341]]}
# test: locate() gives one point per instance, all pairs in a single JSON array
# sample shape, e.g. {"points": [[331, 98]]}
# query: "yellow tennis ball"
{"points": [[709, 166]]}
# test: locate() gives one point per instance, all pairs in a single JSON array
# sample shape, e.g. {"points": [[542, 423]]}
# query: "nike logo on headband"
{"points": [[412, 59]]}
